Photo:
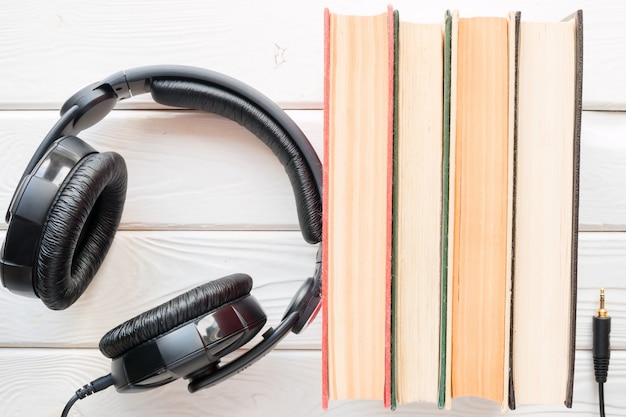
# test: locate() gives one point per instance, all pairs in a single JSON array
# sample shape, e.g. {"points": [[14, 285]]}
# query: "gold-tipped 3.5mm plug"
{"points": [[602, 311], [601, 348]]}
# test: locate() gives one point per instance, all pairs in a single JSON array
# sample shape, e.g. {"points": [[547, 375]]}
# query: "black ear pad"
{"points": [[178, 311], [194, 95], [79, 228]]}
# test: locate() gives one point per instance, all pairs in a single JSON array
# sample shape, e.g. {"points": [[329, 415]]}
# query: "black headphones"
{"points": [[68, 205]]}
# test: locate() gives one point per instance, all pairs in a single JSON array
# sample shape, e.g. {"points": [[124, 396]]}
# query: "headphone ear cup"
{"points": [[181, 310], [79, 229]]}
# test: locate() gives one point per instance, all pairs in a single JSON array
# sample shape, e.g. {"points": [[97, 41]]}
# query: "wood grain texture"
{"points": [[603, 171], [50, 47], [76, 43], [193, 178], [188, 170], [285, 383], [146, 268]]}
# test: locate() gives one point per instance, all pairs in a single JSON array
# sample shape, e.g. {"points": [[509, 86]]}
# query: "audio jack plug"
{"points": [[94, 386], [601, 348]]}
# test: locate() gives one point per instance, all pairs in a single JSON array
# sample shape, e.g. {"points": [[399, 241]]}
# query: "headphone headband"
{"points": [[136, 81]]}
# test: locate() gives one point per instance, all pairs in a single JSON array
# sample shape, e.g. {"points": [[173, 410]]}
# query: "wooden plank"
{"points": [[144, 269], [603, 171], [189, 170], [604, 79], [51, 49], [284, 383]]}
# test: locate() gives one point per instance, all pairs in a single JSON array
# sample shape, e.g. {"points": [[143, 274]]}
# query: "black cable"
{"points": [[94, 386], [601, 349], [601, 398], [69, 405]]}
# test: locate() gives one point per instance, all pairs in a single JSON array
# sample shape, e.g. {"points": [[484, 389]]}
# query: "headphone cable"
{"points": [[601, 355], [94, 386], [601, 349]]}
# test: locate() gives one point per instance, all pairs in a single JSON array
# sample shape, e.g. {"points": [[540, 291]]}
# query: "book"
{"points": [[482, 232], [358, 150], [418, 182], [476, 126], [546, 211]]}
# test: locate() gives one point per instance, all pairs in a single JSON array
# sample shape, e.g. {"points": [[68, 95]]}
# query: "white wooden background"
{"points": [[206, 198]]}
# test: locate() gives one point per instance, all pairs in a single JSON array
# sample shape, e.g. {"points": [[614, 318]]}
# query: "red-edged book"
{"points": [[358, 168]]}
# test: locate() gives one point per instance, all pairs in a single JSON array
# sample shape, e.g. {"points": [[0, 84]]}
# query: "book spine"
{"points": [[325, 385], [394, 288], [576, 193], [453, 37], [514, 33], [445, 192], [391, 28]]}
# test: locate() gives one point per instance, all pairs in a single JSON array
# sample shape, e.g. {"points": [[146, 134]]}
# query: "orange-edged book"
{"points": [[358, 152], [481, 207]]}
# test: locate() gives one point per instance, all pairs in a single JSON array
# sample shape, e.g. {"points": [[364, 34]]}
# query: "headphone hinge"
{"points": [[124, 87]]}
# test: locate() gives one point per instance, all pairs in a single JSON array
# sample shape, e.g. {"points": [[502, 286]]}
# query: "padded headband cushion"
{"points": [[189, 306], [79, 229], [198, 96]]}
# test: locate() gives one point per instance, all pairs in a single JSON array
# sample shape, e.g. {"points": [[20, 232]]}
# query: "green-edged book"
{"points": [[418, 212]]}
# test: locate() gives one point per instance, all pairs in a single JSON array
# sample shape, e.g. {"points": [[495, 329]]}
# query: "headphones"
{"points": [[64, 214]]}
